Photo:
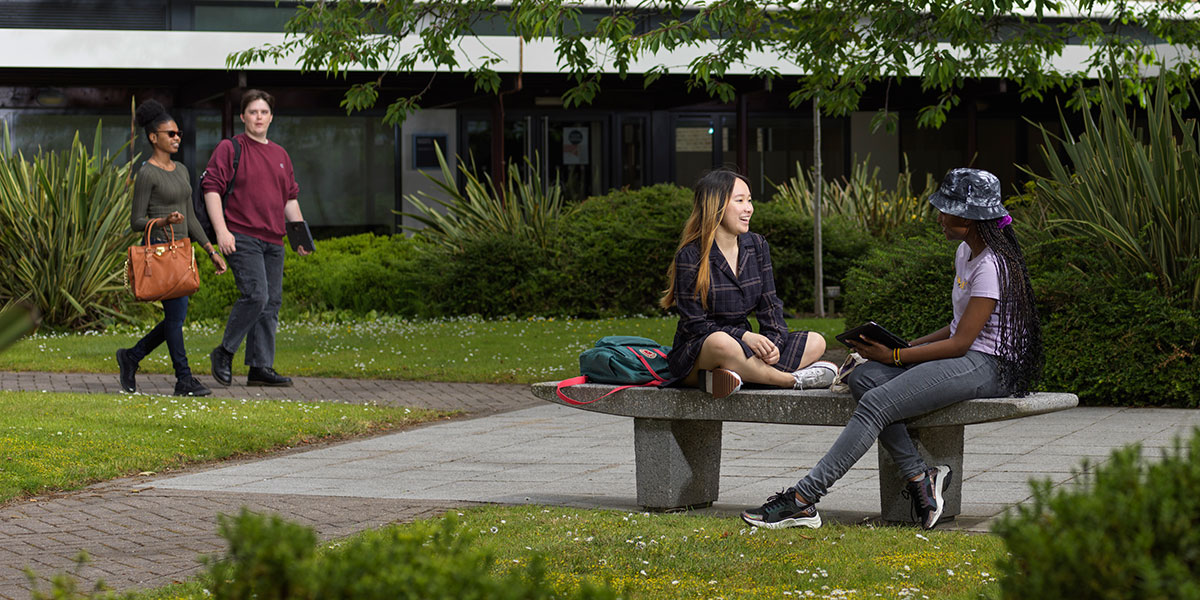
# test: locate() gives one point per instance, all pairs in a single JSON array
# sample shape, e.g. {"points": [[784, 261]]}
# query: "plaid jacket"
{"points": [[731, 300]]}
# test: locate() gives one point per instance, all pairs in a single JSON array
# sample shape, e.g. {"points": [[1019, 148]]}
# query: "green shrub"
{"points": [[904, 285], [616, 249], [790, 236], [270, 559], [494, 275], [358, 274], [1127, 531], [64, 231], [610, 259], [1110, 338], [217, 293]]}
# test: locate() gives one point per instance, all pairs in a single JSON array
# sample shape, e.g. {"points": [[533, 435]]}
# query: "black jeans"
{"points": [[170, 330]]}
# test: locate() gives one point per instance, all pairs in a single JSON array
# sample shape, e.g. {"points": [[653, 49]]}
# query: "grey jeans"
{"points": [[258, 270], [887, 396]]}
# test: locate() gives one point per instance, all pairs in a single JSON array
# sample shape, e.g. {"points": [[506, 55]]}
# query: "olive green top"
{"points": [[157, 193]]}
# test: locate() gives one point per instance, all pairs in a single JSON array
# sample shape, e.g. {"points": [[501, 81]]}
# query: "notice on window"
{"points": [[575, 145]]}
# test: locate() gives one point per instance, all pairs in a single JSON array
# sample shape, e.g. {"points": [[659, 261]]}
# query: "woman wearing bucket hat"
{"points": [[991, 348], [722, 273]]}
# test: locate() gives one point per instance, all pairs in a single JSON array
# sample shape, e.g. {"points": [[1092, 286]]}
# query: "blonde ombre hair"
{"points": [[710, 196]]}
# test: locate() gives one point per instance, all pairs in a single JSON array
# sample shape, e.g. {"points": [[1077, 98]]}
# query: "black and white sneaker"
{"points": [[926, 495], [783, 510]]}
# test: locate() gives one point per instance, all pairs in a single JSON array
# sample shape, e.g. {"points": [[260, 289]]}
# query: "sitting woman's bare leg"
{"points": [[814, 349], [721, 351]]}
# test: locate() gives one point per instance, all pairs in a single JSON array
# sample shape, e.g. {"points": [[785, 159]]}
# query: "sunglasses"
{"points": [[170, 133]]}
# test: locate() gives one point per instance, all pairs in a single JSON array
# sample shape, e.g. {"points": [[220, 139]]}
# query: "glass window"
{"points": [[31, 131], [779, 147], [478, 157], [693, 149], [633, 152], [345, 166], [242, 18], [933, 151]]}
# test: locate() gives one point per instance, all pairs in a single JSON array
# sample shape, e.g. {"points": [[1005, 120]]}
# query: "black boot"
{"points": [[129, 368], [266, 376], [222, 366], [190, 386]]}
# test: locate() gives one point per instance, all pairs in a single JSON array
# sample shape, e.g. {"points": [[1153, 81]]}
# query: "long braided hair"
{"points": [[1020, 331]]}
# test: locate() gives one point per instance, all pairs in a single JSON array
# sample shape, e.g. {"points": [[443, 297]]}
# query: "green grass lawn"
{"points": [[458, 350], [65, 441], [657, 556]]}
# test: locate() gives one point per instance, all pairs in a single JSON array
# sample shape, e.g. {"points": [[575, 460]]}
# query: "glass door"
{"points": [[573, 153]]}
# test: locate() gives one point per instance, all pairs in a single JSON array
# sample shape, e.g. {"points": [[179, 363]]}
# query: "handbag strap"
{"points": [[166, 225], [558, 389]]}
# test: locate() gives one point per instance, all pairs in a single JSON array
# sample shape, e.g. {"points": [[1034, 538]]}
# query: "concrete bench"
{"points": [[677, 435]]}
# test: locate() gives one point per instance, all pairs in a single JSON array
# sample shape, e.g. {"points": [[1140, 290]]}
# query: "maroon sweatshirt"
{"points": [[265, 182]]}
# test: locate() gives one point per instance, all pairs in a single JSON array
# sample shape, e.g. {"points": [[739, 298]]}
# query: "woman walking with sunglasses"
{"points": [[162, 196]]}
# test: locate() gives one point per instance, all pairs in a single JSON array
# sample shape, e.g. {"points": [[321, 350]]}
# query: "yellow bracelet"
{"points": [[896, 357]]}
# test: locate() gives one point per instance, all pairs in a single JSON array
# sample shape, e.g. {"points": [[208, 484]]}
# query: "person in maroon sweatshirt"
{"points": [[250, 229]]}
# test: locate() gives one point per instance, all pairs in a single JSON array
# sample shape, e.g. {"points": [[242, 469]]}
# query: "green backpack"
{"points": [[624, 360]]}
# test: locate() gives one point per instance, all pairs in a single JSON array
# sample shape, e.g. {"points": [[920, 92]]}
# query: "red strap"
{"points": [[657, 378], [582, 379]]}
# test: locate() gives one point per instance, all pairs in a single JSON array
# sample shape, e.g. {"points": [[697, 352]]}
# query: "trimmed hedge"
{"points": [[360, 274], [1107, 339], [615, 250], [610, 260]]}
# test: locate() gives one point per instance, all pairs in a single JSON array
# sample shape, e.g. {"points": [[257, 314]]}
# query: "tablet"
{"points": [[874, 331], [299, 235]]}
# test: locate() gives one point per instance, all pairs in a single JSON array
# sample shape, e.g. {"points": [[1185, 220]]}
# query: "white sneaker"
{"points": [[818, 375]]}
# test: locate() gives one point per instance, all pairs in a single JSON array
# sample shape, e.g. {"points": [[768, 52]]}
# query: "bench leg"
{"points": [[938, 446], [678, 463]]}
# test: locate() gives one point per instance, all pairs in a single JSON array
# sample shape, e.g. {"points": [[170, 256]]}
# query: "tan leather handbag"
{"points": [[162, 271]]}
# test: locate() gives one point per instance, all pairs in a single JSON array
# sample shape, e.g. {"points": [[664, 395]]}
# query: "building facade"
{"points": [[68, 65]]}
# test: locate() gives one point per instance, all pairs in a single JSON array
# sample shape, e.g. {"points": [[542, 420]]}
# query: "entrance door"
{"points": [[573, 152]]}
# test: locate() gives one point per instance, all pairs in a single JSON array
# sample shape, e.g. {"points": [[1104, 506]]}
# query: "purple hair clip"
{"points": [[1004, 221]]}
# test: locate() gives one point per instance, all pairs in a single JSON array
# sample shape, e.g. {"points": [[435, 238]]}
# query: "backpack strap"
{"points": [[659, 379], [582, 379], [237, 159]]}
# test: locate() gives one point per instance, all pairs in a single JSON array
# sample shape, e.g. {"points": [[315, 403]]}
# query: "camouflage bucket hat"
{"points": [[970, 194]]}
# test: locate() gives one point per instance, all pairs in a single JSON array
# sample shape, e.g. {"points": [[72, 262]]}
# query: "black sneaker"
{"points": [[926, 495], [783, 510], [129, 369], [190, 386], [266, 376]]}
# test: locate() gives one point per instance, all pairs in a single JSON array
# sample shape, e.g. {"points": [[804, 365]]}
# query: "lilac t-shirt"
{"points": [[977, 278]]}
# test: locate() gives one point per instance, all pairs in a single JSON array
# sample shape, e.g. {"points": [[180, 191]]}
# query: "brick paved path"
{"points": [[144, 537]]}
